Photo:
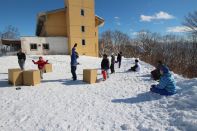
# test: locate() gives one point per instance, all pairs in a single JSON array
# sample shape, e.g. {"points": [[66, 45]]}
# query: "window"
{"points": [[83, 42], [82, 12], [33, 46], [82, 28], [45, 46]]}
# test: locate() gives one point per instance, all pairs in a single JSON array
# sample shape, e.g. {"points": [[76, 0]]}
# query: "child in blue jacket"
{"points": [[166, 84], [74, 62]]}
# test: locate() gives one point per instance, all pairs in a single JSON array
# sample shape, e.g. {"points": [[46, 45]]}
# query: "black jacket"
{"points": [[119, 58], [105, 64], [112, 59], [21, 56]]}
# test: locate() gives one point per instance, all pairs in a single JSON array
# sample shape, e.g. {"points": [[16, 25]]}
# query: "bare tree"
{"points": [[105, 43], [120, 40], [191, 22], [10, 32], [113, 42]]}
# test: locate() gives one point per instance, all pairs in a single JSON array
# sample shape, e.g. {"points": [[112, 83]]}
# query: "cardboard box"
{"points": [[90, 75], [48, 68], [31, 77], [15, 77]]}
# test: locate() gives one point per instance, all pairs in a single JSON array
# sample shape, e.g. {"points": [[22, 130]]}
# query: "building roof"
{"points": [[11, 41], [51, 11]]}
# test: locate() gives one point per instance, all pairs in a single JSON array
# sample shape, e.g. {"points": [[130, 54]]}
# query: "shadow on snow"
{"points": [[143, 97]]}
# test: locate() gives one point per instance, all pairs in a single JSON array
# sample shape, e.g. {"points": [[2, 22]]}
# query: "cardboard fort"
{"points": [[90, 75], [31, 77], [48, 68], [15, 77]]}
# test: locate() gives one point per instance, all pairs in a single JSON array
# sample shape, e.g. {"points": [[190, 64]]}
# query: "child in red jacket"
{"points": [[41, 63]]}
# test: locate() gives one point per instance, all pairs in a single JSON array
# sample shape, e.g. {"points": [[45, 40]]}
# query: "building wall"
{"points": [[55, 24], [74, 22], [57, 45]]}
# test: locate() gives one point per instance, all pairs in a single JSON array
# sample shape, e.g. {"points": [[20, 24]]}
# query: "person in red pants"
{"points": [[105, 67]]}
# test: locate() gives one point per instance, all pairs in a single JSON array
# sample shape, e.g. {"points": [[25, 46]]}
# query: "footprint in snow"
{"points": [[125, 127]]}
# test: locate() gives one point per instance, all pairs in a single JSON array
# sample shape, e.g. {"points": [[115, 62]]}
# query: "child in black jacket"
{"points": [[105, 64]]}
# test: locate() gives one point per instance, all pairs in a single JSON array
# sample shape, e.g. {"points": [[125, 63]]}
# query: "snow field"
{"points": [[123, 102]]}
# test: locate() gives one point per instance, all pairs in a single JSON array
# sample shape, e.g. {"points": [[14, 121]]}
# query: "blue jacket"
{"points": [[73, 57], [167, 82]]}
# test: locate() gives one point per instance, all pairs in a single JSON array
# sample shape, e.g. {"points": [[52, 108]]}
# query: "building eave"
{"points": [[100, 20]]}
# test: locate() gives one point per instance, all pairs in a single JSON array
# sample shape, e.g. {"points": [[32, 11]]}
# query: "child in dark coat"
{"points": [[155, 74], [41, 63], [119, 59], [21, 59], [112, 64], [105, 65]]}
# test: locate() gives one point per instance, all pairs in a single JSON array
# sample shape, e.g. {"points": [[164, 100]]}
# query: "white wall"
{"points": [[57, 45]]}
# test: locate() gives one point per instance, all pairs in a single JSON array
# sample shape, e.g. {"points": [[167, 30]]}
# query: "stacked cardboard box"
{"points": [[15, 77], [31, 77], [90, 75], [48, 68]]}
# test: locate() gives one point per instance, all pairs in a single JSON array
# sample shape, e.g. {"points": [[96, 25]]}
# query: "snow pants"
{"points": [[21, 63], [160, 91], [41, 73], [73, 71], [112, 68]]}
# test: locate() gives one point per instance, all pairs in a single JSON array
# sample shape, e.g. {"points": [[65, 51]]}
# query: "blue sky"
{"points": [[129, 16]]}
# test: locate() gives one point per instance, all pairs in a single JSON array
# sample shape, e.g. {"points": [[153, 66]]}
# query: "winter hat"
{"points": [[136, 60], [165, 69]]}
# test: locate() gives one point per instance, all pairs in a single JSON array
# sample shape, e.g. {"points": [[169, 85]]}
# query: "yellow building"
{"points": [[77, 22]]}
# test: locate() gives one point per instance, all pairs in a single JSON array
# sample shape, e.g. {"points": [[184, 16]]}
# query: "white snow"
{"points": [[123, 102]]}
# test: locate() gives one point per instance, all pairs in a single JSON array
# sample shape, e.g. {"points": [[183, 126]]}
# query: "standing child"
{"points": [[119, 58], [74, 63], [41, 63], [112, 63], [105, 67], [21, 59]]}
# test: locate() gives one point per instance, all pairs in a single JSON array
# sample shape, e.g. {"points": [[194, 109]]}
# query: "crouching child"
{"points": [[105, 67], [41, 63], [136, 67], [166, 84]]}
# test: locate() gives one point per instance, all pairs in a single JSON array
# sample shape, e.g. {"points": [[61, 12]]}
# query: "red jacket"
{"points": [[40, 63]]}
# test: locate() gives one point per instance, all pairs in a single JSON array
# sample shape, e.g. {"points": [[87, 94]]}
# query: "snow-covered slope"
{"points": [[123, 102]]}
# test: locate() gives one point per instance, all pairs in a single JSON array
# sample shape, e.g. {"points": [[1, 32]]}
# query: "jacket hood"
{"points": [[165, 69]]}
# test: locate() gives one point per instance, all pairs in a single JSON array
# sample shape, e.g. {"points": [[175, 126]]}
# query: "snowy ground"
{"points": [[123, 102]]}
